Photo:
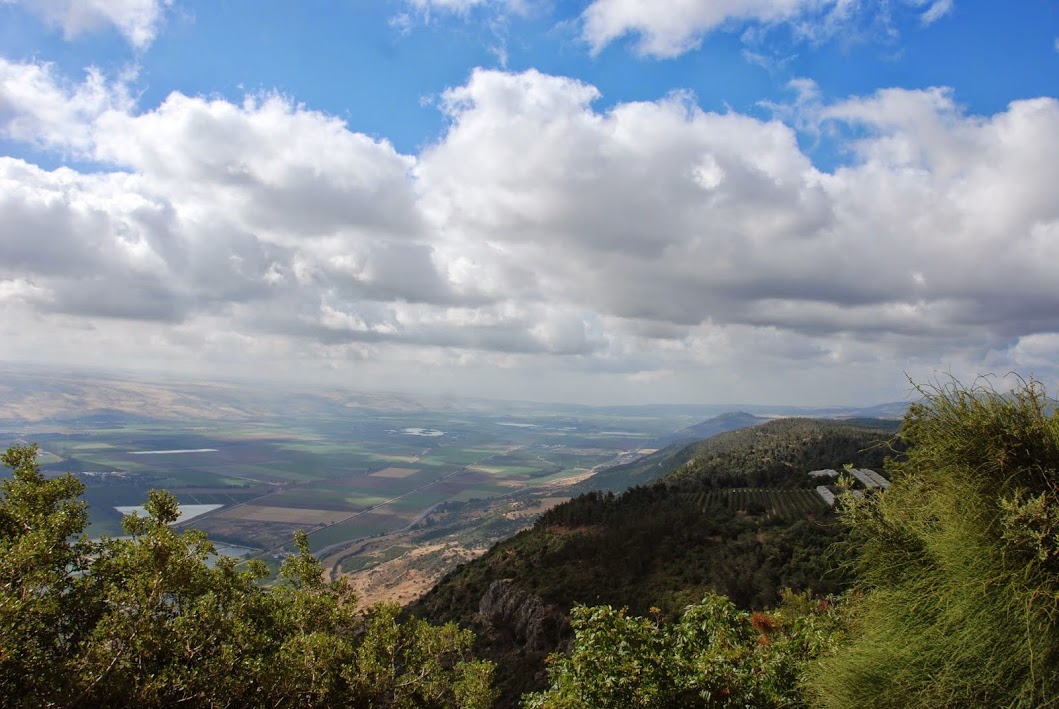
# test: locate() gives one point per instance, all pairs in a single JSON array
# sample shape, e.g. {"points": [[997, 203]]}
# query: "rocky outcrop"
{"points": [[523, 617]]}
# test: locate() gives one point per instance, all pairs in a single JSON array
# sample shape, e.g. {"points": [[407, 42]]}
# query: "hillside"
{"points": [[672, 451], [729, 421], [738, 517]]}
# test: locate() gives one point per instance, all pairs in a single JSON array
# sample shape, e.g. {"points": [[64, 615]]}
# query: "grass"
{"points": [[958, 568], [465, 456], [474, 493]]}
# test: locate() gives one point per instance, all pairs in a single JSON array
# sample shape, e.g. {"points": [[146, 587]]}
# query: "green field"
{"points": [[319, 457]]}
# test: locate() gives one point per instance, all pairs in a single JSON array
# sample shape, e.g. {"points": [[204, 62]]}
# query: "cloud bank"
{"points": [[537, 233]]}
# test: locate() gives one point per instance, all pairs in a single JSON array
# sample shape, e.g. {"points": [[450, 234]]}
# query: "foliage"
{"points": [[145, 621], [777, 454], [959, 561], [714, 655], [660, 545]]}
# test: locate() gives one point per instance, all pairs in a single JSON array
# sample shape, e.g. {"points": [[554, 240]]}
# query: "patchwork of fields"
{"points": [[336, 477]]}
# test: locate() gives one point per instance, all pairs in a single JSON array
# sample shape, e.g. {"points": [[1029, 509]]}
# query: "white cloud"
{"points": [[37, 106], [660, 212], [653, 242], [669, 28], [937, 10], [137, 20]]}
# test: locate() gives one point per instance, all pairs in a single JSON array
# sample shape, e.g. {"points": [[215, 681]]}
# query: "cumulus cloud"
{"points": [[137, 20], [38, 107], [662, 213], [638, 241], [276, 216]]}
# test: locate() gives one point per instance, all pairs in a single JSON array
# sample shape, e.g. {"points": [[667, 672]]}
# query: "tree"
{"points": [[715, 655], [45, 601], [959, 561], [145, 621]]}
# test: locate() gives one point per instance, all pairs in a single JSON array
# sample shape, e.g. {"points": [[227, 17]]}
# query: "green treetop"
{"points": [[144, 621]]}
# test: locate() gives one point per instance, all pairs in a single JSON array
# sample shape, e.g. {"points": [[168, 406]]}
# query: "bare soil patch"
{"points": [[286, 515]]}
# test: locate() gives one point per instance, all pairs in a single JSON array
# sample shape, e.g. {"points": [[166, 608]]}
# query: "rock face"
{"points": [[522, 616]]}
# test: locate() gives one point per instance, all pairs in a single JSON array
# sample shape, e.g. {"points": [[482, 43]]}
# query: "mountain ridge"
{"points": [[661, 545]]}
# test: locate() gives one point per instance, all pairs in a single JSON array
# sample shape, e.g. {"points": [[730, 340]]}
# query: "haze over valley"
{"points": [[371, 477]]}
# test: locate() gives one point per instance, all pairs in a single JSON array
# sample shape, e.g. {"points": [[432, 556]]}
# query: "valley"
{"points": [[392, 490], [254, 468]]}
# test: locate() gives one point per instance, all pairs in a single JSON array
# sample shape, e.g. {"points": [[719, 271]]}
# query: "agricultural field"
{"points": [[339, 466]]}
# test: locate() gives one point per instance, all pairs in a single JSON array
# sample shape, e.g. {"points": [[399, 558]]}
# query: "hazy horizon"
{"points": [[248, 383]]}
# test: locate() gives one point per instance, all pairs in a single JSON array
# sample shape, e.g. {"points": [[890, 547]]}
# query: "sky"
{"points": [[596, 201]]}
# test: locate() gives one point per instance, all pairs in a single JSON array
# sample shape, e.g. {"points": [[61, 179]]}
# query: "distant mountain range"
{"points": [[35, 394]]}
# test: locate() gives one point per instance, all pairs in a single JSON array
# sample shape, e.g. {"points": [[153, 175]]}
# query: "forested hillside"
{"points": [[673, 451], [944, 596], [952, 605], [667, 544]]}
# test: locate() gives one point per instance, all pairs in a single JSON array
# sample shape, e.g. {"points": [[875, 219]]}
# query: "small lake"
{"points": [[178, 450], [187, 512]]}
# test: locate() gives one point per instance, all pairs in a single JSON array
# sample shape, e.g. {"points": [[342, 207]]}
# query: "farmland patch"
{"points": [[397, 473], [295, 515], [396, 458]]}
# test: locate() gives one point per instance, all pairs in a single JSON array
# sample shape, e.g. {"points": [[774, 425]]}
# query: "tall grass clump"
{"points": [[958, 561]]}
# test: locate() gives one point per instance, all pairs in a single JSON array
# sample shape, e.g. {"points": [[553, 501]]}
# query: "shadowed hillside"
{"points": [[666, 544]]}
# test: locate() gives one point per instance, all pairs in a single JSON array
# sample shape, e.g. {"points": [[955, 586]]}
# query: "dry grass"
{"points": [[407, 577]]}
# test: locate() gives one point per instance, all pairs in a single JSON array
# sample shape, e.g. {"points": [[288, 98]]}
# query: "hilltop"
{"points": [[735, 514]]}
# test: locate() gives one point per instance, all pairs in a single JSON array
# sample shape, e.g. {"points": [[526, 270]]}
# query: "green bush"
{"points": [[144, 621], [715, 655], [959, 561]]}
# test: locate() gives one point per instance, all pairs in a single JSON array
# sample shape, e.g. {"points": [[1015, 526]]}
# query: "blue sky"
{"points": [[789, 201], [377, 65]]}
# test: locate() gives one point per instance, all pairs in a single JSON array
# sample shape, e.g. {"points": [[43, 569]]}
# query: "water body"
{"points": [[181, 450], [430, 432], [227, 550], [187, 512], [211, 559]]}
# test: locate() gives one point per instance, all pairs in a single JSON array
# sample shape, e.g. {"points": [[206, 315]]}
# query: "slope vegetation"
{"points": [[664, 545]]}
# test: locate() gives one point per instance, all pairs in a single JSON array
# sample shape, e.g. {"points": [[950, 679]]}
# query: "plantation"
{"points": [[785, 504]]}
